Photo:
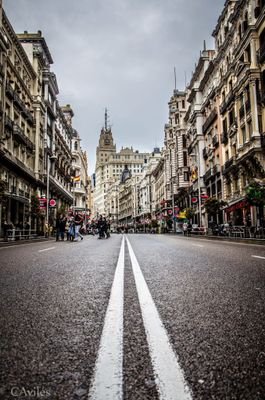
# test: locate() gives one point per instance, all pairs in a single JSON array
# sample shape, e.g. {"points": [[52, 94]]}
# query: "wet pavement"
{"points": [[209, 296]]}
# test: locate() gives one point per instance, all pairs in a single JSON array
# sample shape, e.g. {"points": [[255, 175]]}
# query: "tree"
{"points": [[213, 206], [255, 195], [35, 205], [189, 213]]}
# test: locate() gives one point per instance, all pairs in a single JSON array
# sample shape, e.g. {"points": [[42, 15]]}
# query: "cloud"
{"points": [[119, 54]]}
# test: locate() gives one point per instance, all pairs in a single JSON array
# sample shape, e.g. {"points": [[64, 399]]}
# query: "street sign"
{"points": [[43, 202], [194, 200], [52, 203]]}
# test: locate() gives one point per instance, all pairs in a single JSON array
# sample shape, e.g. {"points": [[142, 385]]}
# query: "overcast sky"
{"points": [[119, 54]]}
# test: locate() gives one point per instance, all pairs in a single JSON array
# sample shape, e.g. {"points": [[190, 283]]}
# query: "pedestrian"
{"points": [[189, 229], [71, 229], [60, 227], [185, 227], [100, 226], [78, 223], [5, 229], [67, 228]]}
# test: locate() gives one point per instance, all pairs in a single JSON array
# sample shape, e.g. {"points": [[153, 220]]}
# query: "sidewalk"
{"points": [[224, 238], [24, 241]]}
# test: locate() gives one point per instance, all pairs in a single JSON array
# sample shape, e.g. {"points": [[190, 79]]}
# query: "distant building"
{"points": [[110, 165]]}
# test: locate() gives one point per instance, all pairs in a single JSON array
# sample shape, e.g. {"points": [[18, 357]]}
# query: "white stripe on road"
{"points": [[198, 245], [169, 376], [48, 248], [107, 380], [263, 258]]}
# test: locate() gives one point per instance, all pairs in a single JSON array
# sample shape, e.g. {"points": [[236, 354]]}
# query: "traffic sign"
{"points": [[52, 203]]}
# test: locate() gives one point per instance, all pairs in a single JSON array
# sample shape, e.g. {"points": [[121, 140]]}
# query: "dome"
{"points": [[126, 174]]}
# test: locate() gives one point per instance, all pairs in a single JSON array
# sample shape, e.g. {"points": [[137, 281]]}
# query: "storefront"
{"points": [[239, 213]]}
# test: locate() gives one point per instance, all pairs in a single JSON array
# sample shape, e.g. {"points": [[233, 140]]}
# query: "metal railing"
{"points": [[20, 234]]}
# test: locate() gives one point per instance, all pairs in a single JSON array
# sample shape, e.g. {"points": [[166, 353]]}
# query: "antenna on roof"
{"points": [[175, 78]]}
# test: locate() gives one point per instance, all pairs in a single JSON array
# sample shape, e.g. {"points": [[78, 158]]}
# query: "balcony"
{"points": [[8, 123], [18, 102], [216, 169], [30, 146], [209, 120], [208, 175], [205, 153], [29, 117], [19, 135], [224, 138], [228, 100], [215, 141], [229, 165], [9, 91]]}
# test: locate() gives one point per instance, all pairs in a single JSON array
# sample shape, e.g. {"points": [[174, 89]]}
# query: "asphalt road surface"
{"points": [[134, 317]]}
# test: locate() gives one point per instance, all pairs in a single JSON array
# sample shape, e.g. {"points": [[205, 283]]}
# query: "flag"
{"points": [[76, 178]]}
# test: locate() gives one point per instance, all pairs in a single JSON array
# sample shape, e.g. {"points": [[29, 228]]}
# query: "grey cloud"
{"points": [[119, 54]]}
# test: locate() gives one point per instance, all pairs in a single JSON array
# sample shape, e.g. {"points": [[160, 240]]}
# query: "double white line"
{"points": [[107, 382]]}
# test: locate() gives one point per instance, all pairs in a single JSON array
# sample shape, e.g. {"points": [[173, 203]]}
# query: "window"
{"points": [[243, 130], [185, 159]]}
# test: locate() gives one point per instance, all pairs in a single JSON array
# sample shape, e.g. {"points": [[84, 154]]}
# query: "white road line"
{"points": [[198, 245], [169, 376], [107, 380], [48, 248], [263, 258]]}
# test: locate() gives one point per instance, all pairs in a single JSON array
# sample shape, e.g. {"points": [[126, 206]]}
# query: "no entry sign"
{"points": [[52, 203]]}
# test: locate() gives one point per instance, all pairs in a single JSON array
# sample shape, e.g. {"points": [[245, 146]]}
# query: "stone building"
{"points": [[239, 37], [35, 133], [21, 165], [110, 164]]}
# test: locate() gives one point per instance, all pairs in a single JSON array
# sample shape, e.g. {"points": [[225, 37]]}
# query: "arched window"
{"points": [[76, 146], [245, 23]]}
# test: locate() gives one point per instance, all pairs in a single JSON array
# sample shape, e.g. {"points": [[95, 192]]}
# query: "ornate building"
{"points": [[35, 134], [109, 167]]}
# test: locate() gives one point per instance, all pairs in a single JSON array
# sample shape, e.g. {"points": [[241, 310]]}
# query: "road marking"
{"points": [[263, 258], [169, 376], [107, 380], [198, 245], [48, 248]]}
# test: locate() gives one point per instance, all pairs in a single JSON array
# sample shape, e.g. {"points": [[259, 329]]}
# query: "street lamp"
{"points": [[199, 185], [49, 158]]}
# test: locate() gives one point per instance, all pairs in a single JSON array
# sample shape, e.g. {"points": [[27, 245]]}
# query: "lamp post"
{"points": [[199, 185]]}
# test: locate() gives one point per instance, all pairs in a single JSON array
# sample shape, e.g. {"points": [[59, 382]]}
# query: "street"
{"points": [[133, 317]]}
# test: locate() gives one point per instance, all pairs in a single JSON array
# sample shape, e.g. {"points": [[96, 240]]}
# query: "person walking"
{"points": [[60, 227], [100, 227], [71, 229], [189, 229], [78, 223]]}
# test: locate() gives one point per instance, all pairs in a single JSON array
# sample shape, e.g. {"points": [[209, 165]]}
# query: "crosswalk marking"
{"points": [[169, 376], [107, 380]]}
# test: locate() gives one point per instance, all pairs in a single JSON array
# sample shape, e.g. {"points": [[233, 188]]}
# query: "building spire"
{"points": [[106, 119]]}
